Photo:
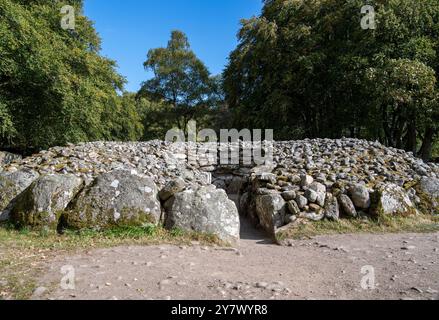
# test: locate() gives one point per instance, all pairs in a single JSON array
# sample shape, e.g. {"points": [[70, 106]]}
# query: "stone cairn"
{"points": [[179, 185]]}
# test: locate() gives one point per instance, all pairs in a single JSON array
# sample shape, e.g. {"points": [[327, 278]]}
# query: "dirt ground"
{"points": [[394, 266]]}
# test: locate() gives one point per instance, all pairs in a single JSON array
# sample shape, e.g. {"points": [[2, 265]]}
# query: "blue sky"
{"points": [[129, 28]]}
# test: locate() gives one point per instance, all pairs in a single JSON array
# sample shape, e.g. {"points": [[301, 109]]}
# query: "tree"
{"points": [[309, 69], [180, 80], [54, 86], [127, 124], [405, 93]]}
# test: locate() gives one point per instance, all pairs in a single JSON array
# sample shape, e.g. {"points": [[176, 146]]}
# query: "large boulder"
{"points": [[42, 203], [393, 200], [271, 210], [117, 198], [11, 185], [205, 210]]}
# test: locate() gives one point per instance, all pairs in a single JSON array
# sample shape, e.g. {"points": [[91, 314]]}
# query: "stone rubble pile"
{"points": [[7, 158], [104, 184]]}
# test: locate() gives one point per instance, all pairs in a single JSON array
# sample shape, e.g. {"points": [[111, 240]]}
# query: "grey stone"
{"points": [[429, 186], [271, 210], [311, 195], [332, 209], [360, 196], [119, 197], [171, 188], [7, 157], [347, 206], [293, 207], [163, 162], [394, 200], [301, 201], [312, 216], [11, 185], [205, 210], [42, 203], [321, 198], [289, 195]]}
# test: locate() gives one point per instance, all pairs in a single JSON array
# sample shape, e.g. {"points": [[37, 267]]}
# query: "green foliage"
{"points": [[308, 69], [157, 118], [127, 123], [181, 89], [7, 130], [54, 86], [303, 68]]}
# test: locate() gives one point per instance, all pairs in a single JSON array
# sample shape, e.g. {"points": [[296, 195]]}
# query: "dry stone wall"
{"points": [[185, 185]]}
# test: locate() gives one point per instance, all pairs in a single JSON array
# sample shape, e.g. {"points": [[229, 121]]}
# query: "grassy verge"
{"points": [[415, 224], [23, 253]]}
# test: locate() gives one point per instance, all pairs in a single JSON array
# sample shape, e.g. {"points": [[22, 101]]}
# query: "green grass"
{"points": [[24, 252], [396, 224]]}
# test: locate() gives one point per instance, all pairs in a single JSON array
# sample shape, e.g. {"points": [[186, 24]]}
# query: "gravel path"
{"points": [[406, 266]]}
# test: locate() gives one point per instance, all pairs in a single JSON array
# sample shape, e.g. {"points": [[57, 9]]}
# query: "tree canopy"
{"points": [[181, 81], [54, 85], [303, 68], [309, 69]]}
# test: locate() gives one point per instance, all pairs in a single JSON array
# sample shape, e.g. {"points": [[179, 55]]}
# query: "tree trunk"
{"points": [[427, 145], [411, 137]]}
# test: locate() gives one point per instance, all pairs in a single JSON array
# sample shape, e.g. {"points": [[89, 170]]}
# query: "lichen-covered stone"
{"points": [[393, 200], [41, 204], [297, 166], [293, 207], [171, 188], [204, 210], [117, 198], [311, 195], [271, 210], [7, 157], [11, 185], [318, 187], [289, 195], [332, 209], [429, 188]]}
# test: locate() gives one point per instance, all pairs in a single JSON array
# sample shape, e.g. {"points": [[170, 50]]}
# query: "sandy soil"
{"points": [[404, 266]]}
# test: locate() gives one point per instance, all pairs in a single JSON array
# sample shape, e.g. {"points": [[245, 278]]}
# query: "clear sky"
{"points": [[129, 28]]}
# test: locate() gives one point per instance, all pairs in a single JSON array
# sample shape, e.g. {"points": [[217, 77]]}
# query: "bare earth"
{"points": [[406, 266]]}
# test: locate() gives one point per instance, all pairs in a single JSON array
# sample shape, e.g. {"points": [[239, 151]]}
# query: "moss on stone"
{"points": [[377, 210], [85, 219], [8, 191], [426, 205]]}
